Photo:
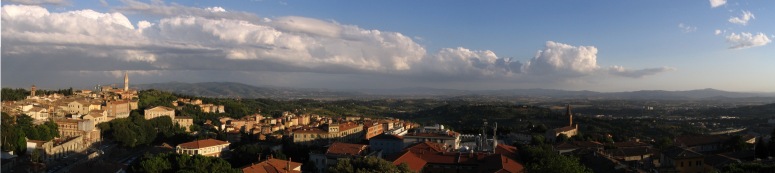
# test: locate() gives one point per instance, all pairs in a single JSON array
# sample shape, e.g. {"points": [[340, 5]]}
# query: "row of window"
{"points": [[697, 163]]}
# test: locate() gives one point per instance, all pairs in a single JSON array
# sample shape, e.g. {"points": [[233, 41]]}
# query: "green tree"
{"points": [[664, 142], [561, 138], [173, 162], [543, 159], [246, 154], [537, 140], [9, 94], [12, 135], [367, 164], [151, 98]]}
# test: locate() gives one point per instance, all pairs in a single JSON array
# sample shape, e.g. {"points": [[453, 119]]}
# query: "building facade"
{"points": [[118, 109], [342, 132], [206, 147], [159, 111]]}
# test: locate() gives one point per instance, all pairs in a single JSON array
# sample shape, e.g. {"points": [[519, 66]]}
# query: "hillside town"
{"points": [[304, 142]]}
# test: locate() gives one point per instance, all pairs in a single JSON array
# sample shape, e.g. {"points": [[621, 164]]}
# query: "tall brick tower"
{"points": [[569, 114], [126, 81], [32, 91]]}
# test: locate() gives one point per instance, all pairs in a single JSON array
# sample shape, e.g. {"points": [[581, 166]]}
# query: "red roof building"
{"points": [[206, 147], [431, 157], [273, 166], [345, 149]]}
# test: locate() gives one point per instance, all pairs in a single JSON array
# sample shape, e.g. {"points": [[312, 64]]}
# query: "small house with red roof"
{"points": [[206, 147], [433, 157], [273, 166], [337, 151]]}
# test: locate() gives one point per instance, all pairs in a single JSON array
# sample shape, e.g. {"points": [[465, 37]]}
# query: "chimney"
{"points": [[288, 165]]}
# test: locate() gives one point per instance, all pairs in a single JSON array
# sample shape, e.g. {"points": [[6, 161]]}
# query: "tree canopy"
{"points": [[543, 159], [16, 129], [367, 165], [136, 130], [173, 162]]}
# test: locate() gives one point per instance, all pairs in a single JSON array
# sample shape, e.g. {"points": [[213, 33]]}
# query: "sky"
{"points": [[572, 45]]}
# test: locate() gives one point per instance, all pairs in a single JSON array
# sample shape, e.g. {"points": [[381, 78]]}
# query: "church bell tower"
{"points": [[126, 81]]}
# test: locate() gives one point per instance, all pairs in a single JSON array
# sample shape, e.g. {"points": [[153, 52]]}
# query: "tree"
{"points": [[173, 162], [737, 143], [12, 135], [9, 94], [761, 150], [559, 164], [543, 159], [246, 154], [367, 164], [664, 142], [537, 140], [561, 138]]}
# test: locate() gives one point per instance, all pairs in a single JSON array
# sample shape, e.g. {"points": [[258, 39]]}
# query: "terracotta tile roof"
{"points": [[506, 150], [412, 160], [452, 157], [426, 147], [202, 143], [273, 166], [630, 144], [588, 144], [160, 108], [564, 129], [347, 126], [338, 148], [680, 153], [500, 164], [691, 141], [95, 114], [309, 130], [719, 160], [36, 109], [388, 137], [421, 154], [440, 135], [633, 151]]}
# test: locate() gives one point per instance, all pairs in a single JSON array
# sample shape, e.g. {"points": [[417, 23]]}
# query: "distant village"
{"points": [[423, 148], [426, 149]]}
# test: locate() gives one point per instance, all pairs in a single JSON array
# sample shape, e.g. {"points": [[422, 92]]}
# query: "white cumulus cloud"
{"points": [[747, 40], [38, 2], [563, 60], [559, 58], [215, 39], [717, 3], [743, 19], [621, 71]]}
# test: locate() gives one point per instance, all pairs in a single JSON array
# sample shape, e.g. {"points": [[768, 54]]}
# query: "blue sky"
{"points": [[574, 45]]}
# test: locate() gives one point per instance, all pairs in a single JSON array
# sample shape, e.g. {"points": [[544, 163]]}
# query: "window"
{"points": [[682, 164], [699, 163]]}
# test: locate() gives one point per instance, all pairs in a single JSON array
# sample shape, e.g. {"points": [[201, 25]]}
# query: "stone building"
{"points": [[341, 132], [159, 111], [206, 147]]}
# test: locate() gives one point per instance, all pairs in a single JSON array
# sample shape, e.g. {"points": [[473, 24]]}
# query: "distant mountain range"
{"points": [[239, 90]]}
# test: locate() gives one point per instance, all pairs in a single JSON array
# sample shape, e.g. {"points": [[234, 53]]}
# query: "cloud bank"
{"points": [[717, 3], [38, 2], [216, 39], [747, 40], [743, 19]]}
